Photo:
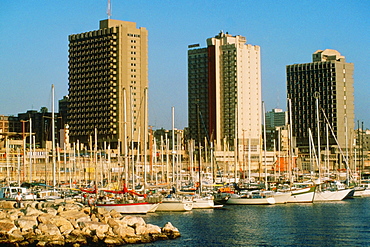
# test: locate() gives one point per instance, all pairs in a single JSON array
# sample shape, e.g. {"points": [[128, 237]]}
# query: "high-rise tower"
{"points": [[330, 79], [108, 81], [224, 86]]}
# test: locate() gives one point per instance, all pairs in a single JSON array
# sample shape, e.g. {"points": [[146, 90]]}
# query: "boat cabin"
{"points": [[10, 192]]}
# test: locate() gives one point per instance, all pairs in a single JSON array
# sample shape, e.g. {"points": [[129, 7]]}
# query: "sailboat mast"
{"points": [[145, 135], [53, 135], [264, 142], [318, 133], [199, 153], [173, 145]]}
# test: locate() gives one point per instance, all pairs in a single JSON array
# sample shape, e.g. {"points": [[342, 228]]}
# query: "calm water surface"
{"points": [[343, 223]]}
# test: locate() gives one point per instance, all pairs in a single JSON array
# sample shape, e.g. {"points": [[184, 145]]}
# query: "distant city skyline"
{"points": [[34, 46]]}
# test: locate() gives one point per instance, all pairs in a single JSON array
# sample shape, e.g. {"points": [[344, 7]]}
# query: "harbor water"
{"points": [[342, 223]]}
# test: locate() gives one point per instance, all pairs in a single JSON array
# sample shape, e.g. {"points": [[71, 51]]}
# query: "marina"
{"points": [[340, 223]]}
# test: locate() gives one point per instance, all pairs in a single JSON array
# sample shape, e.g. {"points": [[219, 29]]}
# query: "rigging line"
{"points": [[340, 149]]}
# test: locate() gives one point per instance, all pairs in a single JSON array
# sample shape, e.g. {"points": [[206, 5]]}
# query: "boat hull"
{"points": [[251, 201], [174, 206], [362, 193], [338, 195], [304, 195], [130, 208], [203, 203], [282, 197]]}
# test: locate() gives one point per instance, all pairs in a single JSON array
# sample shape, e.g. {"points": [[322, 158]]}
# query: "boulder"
{"points": [[139, 229], [30, 211], [44, 218], [115, 214], [153, 229], [7, 225], [77, 237], [99, 227], [7, 204], [74, 223], [3, 215], [27, 222], [133, 220], [72, 206], [171, 231], [15, 236], [124, 231], [112, 223], [51, 211], [110, 240], [48, 229], [75, 214], [14, 214]]}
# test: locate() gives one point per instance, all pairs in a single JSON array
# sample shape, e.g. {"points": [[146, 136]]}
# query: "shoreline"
{"points": [[67, 223]]}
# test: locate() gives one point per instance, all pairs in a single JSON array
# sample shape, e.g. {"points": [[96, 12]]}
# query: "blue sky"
{"points": [[34, 45]]}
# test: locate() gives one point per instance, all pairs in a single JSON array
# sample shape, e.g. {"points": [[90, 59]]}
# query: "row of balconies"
{"points": [[91, 62], [91, 132], [79, 101], [88, 128], [82, 95], [98, 72], [97, 36], [104, 52], [106, 64], [89, 118], [82, 102], [93, 77], [94, 42], [311, 66], [90, 90], [85, 121], [94, 60], [93, 46], [326, 77], [91, 85], [312, 72], [90, 67]]}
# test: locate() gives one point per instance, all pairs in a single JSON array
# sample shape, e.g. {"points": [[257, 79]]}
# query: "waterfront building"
{"points": [[275, 121], [108, 80], [224, 93], [330, 79], [275, 118]]}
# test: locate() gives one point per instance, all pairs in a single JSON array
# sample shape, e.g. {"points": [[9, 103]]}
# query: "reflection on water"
{"points": [[343, 223]]}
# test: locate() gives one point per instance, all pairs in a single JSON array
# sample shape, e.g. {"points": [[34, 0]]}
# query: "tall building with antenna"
{"points": [[108, 81], [224, 92]]}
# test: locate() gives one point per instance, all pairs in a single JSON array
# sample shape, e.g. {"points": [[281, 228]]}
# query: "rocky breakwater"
{"points": [[67, 223]]}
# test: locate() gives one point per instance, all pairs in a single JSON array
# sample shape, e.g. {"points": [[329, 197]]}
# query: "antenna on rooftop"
{"points": [[109, 10]]}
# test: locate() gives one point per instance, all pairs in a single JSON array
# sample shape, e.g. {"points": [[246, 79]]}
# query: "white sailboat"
{"points": [[331, 191], [327, 191], [254, 197], [174, 203], [302, 193]]}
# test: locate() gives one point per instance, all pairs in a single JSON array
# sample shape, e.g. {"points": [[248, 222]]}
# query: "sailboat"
{"points": [[254, 197], [127, 202], [327, 191]]}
